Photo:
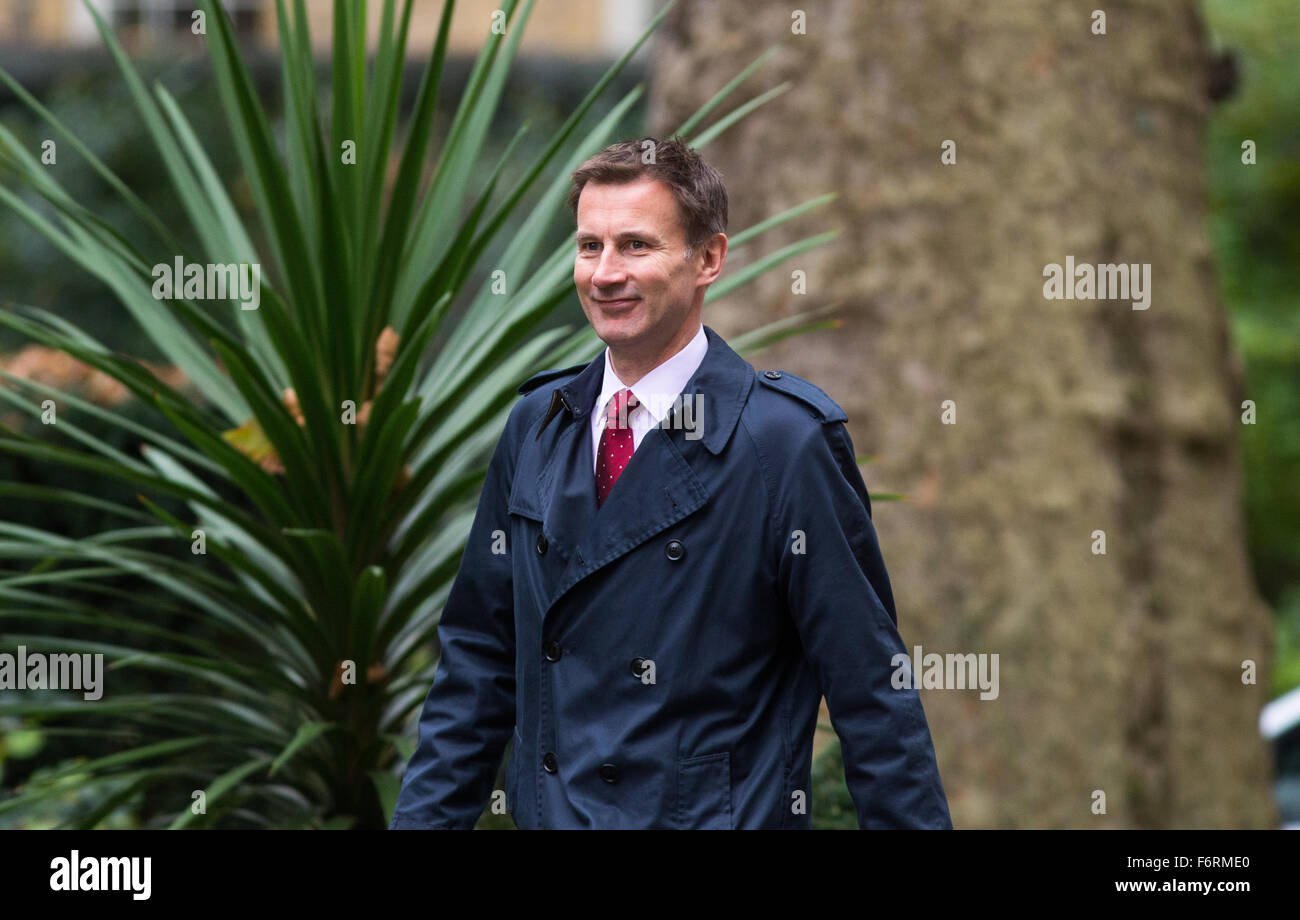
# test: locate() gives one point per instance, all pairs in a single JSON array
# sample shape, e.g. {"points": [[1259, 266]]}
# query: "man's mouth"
{"points": [[616, 304]]}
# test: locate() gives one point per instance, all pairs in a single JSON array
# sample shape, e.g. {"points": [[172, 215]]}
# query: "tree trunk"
{"points": [[1120, 673]]}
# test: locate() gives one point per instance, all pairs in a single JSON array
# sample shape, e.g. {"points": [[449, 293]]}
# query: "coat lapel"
{"points": [[658, 487], [567, 488]]}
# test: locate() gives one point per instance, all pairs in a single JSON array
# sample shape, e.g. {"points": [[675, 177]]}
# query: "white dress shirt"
{"points": [[655, 392]]}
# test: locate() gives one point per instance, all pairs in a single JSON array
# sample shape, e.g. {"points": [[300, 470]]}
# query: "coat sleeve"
{"points": [[833, 579], [469, 713]]}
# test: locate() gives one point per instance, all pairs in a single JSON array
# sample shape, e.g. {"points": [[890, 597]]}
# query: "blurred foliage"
{"points": [[1255, 228], [86, 94], [832, 806]]}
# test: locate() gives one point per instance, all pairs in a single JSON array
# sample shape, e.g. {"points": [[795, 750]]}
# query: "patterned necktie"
{"points": [[616, 444]]}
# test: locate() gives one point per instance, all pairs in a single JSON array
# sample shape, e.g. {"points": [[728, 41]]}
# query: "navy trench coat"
{"points": [[659, 661]]}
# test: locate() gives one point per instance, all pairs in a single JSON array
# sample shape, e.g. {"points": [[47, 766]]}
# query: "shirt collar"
{"points": [[658, 388], [723, 381]]}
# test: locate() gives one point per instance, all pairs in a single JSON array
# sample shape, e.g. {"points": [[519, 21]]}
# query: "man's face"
{"points": [[635, 284]]}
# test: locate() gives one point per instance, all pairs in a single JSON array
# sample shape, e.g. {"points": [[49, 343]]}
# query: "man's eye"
{"points": [[634, 242]]}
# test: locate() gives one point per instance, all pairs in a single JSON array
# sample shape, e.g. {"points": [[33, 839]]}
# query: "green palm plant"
{"points": [[327, 456]]}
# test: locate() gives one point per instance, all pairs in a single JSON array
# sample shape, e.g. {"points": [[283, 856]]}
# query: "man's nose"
{"points": [[610, 269]]}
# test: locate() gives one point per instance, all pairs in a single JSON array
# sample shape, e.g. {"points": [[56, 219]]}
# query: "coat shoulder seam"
{"points": [[806, 392], [542, 377]]}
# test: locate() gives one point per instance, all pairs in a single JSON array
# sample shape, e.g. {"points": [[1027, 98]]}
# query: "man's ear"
{"points": [[714, 251]]}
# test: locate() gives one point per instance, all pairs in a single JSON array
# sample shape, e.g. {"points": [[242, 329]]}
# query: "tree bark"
{"points": [[1120, 673]]}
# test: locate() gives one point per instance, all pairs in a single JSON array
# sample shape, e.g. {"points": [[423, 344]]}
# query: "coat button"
{"points": [[637, 665], [553, 651], [549, 762], [541, 544], [609, 772], [772, 375], [674, 550]]}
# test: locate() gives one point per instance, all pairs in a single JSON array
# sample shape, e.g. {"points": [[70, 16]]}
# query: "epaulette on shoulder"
{"points": [[811, 395], [538, 379]]}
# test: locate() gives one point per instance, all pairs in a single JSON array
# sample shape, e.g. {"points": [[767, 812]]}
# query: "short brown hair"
{"points": [[697, 187]]}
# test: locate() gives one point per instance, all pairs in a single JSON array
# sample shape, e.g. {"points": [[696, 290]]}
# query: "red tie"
{"points": [[616, 444]]}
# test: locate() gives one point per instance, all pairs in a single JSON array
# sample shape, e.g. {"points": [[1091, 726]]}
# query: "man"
{"points": [[680, 583]]}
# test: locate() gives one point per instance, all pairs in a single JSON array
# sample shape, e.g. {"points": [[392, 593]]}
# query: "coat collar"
{"points": [[722, 382], [658, 488]]}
